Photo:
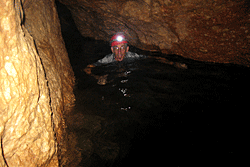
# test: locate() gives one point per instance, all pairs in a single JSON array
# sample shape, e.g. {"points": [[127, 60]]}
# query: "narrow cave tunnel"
{"points": [[184, 103], [159, 114]]}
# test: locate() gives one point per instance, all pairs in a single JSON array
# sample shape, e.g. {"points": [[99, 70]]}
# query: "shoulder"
{"points": [[107, 59], [134, 55]]}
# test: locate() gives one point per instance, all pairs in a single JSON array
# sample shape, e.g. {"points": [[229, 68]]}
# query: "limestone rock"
{"points": [[181, 27], [36, 87]]}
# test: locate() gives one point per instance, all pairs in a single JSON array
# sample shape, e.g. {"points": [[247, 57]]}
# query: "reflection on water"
{"points": [[153, 113]]}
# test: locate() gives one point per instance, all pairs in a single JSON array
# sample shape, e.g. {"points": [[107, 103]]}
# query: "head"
{"points": [[119, 46]]}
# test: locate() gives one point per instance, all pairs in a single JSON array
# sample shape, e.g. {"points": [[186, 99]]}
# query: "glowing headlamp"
{"points": [[118, 38]]}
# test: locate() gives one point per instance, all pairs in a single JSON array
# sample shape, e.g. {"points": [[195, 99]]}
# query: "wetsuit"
{"points": [[111, 58]]}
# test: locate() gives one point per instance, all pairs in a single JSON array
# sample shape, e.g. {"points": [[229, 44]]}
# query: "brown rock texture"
{"points": [[214, 31], [36, 87]]}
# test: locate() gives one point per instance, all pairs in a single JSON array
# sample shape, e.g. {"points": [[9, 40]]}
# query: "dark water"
{"points": [[159, 114], [151, 113]]}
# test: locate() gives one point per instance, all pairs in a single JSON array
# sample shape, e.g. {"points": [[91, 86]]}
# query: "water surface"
{"points": [[156, 113]]}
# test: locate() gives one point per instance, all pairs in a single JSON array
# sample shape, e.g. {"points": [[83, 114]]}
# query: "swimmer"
{"points": [[120, 51]]}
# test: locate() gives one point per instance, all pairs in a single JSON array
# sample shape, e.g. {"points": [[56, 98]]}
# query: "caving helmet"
{"points": [[118, 38]]}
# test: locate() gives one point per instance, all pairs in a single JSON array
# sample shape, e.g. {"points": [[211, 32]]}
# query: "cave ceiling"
{"points": [[213, 31]]}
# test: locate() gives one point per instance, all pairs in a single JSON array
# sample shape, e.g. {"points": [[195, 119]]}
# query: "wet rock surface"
{"points": [[36, 91], [214, 31]]}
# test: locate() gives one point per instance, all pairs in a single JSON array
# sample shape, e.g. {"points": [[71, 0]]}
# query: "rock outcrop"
{"points": [[36, 87], [214, 31]]}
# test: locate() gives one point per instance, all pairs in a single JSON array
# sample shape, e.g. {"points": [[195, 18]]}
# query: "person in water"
{"points": [[120, 52]]}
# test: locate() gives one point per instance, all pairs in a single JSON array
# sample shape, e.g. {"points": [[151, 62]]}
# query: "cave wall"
{"points": [[214, 31], [37, 83]]}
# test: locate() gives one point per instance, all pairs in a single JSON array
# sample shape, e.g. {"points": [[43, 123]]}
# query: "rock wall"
{"points": [[36, 87], [214, 31]]}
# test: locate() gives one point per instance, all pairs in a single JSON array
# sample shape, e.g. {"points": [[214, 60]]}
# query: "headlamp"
{"points": [[118, 38]]}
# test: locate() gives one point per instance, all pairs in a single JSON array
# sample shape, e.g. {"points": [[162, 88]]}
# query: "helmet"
{"points": [[118, 38]]}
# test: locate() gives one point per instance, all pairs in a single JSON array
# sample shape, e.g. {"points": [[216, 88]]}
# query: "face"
{"points": [[120, 51]]}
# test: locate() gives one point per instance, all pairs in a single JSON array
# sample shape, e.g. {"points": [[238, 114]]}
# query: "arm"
{"points": [[164, 60], [88, 69], [102, 80]]}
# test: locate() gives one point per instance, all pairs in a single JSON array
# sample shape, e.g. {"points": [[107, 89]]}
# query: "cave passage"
{"points": [[153, 113]]}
